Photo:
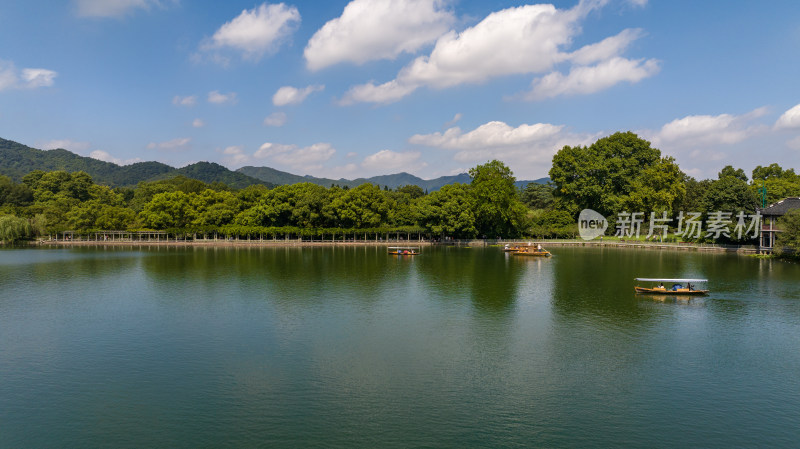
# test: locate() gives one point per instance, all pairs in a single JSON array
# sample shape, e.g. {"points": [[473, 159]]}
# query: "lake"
{"points": [[350, 347]]}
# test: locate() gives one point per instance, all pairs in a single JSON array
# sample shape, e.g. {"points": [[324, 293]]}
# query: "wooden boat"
{"points": [[404, 250], [678, 287], [536, 251]]}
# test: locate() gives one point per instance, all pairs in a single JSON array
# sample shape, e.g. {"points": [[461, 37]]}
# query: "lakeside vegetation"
{"points": [[621, 172]]}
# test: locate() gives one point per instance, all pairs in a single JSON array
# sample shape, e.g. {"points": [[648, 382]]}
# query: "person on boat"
{"points": [[675, 287], [661, 286], [689, 286], [539, 247]]}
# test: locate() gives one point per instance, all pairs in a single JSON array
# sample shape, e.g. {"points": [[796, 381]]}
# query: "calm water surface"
{"points": [[350, 347]]}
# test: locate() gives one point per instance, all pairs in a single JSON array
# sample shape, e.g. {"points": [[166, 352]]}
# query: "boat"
{"points": [[537, 251], [677, 287], [404, 250]]}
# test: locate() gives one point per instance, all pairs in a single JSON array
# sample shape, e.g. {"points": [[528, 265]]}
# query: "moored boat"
{"points": [[678, 287], [537, 251], [404, 250]]}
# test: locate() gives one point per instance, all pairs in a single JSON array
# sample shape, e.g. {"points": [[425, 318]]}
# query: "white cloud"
{"points": [[11, 78], [198, 123], [174, 144], [530, 148], [105, 156], [605, 49], [257, 31], [789, 119], [587, 80], [305, 158], [369, 30], [700, 130], [190, 100], [528, 39], [292, 95], [389, 161], [38, 77], [218, 98], [276, 119], [66, 144], [112, 8], [370, 93]]}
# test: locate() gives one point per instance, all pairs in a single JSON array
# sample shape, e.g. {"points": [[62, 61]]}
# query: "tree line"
{"points": [[621, 172]]}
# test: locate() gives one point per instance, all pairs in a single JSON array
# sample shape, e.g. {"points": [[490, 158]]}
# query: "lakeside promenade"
{"points": [[201, 242]]}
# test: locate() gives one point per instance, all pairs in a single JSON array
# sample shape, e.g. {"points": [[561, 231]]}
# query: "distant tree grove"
{"points": [[621, 172]]}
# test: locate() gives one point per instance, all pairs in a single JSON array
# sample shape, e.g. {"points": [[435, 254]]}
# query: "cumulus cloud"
{"points": [[697, 130], [292, 95], [276, 119], [190, 100], [530, 147], [305, 158], [105, 156], [370, 30], [389, 161], [112, 8], [529, 39], [66, 144], [174, 144], [789, 119], [257, 31], [12, 78], [218, 98], [701, 142], [370, 93], [525, 39], [198, 123], [587, 80], [605, 49]]}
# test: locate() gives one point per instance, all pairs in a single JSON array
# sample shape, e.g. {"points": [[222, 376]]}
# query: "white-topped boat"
{"points": [[673, 287]]}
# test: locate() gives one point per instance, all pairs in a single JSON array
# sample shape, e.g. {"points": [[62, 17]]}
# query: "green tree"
{"points": [[789, 239], [13, 194], [448, 212], [498, 211], [365, 206], [13, 229], [168, 210], [729, 193], [779, 183], [604, 175], [537, 196]]}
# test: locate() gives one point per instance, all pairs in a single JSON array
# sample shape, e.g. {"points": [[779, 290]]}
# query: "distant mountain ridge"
{"points": [[391, 181], [17, 160]]}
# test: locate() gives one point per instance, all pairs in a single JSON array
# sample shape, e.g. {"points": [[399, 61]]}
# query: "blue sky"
{"points": [[431, 87]]}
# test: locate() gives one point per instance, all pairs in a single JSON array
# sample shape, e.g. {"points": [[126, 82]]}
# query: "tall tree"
{"points": [[607, 175], [498, 210]]}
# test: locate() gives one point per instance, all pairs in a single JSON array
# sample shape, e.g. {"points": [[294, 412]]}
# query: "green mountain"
{"points": [[392, 181], [210, 172], [17, 160]]}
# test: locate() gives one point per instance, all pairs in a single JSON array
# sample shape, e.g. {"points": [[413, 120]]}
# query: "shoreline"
{"points": [[471, 243]]}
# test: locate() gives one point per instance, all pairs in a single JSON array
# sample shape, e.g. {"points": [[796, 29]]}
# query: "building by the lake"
{"points": [[769, 221]]}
